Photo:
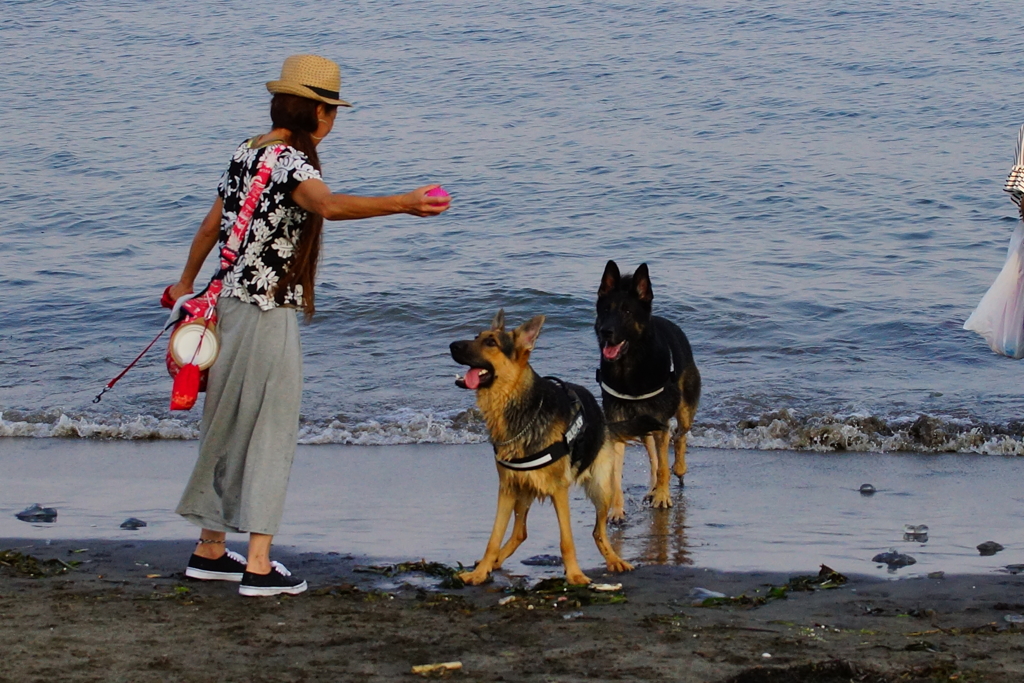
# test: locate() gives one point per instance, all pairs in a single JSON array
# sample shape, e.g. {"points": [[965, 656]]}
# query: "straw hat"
{"points": [[310, 76]]}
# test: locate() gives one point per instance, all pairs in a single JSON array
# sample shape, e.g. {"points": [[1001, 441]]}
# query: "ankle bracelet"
{"points": [[210, 540]]}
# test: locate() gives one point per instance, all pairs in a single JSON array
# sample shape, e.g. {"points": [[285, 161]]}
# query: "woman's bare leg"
{"points": [[211, 544], [259, 553]]}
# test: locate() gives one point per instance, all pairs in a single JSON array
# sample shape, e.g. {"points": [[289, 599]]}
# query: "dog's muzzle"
{"points": [[480, 374]]}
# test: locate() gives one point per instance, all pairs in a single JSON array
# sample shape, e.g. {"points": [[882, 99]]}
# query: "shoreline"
{"points": [[919, 432]]}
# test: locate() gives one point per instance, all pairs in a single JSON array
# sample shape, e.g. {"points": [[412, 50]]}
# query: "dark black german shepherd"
{"points": [[647, 369], [547, 436]]}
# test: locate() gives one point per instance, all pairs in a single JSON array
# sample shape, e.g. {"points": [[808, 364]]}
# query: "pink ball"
{"points": [[437, 192]]}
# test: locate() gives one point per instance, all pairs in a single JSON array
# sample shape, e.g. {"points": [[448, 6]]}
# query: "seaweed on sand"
{"points": [[834, 671], [21, 564], [449, 575], [840, 671], [556, 592], [826, 579]]}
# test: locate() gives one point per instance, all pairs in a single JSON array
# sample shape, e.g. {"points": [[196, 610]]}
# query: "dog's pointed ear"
{"points": [[642, 284], [527, 333], [498, 322], [610, 279]]}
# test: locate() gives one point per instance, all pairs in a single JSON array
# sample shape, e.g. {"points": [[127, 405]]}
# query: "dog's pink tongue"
{"points": [[472, 379], [612, 352]]}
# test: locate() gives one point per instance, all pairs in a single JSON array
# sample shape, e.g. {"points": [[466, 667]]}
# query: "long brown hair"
{"points": [[298, 115]]}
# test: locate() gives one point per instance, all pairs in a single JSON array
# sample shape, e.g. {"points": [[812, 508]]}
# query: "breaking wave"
{"points": [[405, 427], [777, 430], [829, 433], [56, 424]]}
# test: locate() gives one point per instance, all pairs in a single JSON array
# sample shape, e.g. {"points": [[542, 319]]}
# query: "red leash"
{"points": [[111, 383]]}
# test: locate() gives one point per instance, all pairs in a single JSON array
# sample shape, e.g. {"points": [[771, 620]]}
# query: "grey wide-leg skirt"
{"points": [[250, 422]]}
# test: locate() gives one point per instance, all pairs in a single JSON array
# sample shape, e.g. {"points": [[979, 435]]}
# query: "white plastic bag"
{"points": [[999, 318]]}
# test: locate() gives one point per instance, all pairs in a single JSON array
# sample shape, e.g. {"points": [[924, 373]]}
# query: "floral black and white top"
{"points": [[274, 231]]}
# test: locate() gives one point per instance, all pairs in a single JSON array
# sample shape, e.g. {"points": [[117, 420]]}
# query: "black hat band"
{"points": [[323, 92]]}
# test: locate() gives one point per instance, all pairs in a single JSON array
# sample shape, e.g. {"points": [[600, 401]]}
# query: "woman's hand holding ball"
{"points": [[429, 200]]}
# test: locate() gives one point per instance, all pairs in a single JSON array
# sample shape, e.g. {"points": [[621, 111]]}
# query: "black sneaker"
{"points": [[228, 567], [278, 581]]}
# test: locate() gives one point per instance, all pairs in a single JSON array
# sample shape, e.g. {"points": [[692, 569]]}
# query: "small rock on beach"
{"points": [[133, 523], [894, 559], [989, 548], [543, 561], [37, 513]]}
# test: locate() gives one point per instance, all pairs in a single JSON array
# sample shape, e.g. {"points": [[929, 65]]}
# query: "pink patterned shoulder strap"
{"points": [[229, 252], [204, 304]]}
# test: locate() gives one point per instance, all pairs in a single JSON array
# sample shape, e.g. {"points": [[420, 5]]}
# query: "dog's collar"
{"points": [[642, 397], [523, 431], [627, 397], [555, 451]]}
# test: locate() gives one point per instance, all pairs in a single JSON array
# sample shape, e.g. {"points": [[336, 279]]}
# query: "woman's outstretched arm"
{"points": [[314, 196]]}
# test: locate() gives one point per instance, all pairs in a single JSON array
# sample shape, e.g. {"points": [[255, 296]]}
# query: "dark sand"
{"points": [[745, 522], [107, 621]]}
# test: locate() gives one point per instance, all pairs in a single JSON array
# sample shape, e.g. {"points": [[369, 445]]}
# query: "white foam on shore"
{"points": [[406, 427], [65, 426], [830, 433], [779, 430]]}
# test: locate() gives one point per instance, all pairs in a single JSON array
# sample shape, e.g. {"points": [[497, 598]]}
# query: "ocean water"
{"points": [[816, 188]]}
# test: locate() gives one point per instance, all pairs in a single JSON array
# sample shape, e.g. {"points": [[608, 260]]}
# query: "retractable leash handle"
{"points": [[175, 314]]}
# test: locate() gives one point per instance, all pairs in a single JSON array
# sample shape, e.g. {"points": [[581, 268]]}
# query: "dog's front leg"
{"points": [[506, 502], [518, 529], [661, 496], [618, 508], [573, 573]]}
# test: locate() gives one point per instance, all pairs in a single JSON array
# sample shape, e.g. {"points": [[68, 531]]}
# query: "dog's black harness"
{"points": [[643, 397], [557, 450]]}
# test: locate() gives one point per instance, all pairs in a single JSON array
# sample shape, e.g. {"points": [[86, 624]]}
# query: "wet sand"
{"points": [[741, 510], [745, 522]]}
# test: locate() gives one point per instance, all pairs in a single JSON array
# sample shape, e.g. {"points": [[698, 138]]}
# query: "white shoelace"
{"points": [[236, 557], [274, 564]]}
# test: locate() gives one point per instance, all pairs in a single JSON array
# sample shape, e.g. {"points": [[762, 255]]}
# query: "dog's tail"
{"points": [[635, 427]]}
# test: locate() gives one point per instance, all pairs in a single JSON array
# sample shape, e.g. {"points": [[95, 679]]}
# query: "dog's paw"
{"points": [[577, 579], [659, 499], [619, 565], [474, 578], [616, 515], [682, 483]]}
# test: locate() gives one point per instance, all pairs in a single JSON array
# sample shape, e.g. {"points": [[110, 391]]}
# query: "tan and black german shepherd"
{"points": [[547, 435], [647, 371]]}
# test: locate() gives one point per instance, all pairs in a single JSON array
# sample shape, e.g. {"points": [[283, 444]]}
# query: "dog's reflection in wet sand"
{"points": [[655, 535]]}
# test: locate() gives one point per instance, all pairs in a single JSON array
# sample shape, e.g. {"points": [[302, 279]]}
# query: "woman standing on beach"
{"points": [[254, 390]]}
